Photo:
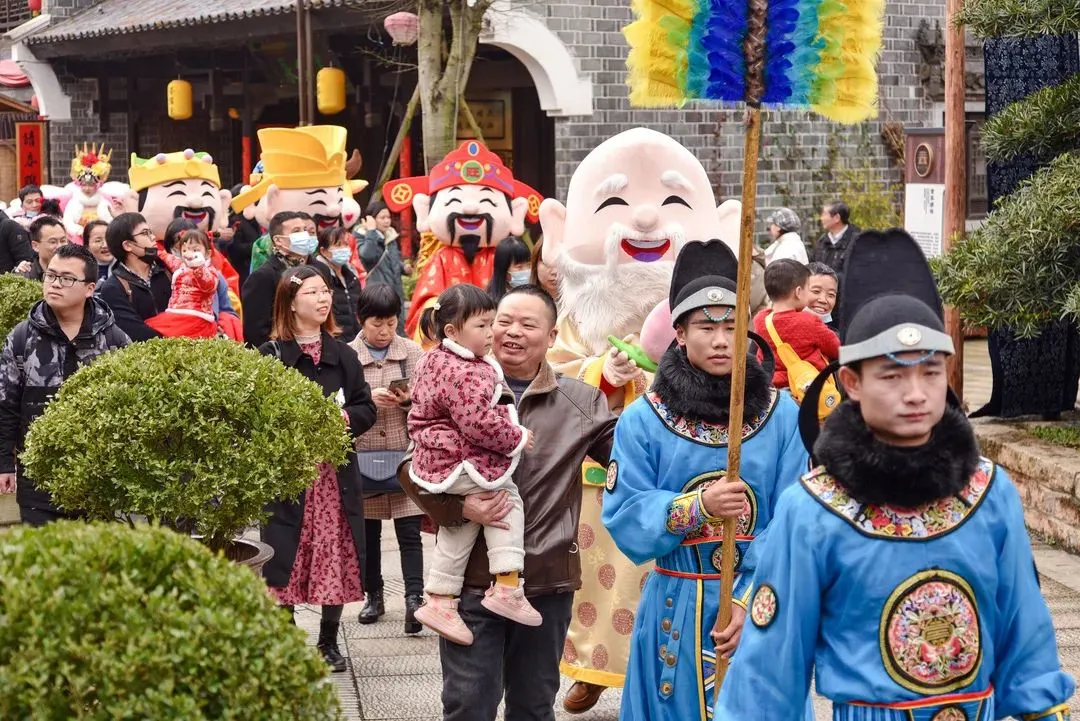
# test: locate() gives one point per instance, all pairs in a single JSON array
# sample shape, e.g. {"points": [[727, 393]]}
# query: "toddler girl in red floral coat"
{"points": [[191, 308], [467, 441]]}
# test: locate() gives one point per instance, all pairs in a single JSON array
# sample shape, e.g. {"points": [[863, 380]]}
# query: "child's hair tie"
{"points": [[437, 306]]}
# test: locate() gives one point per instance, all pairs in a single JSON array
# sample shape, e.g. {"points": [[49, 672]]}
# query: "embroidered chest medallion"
{"points": [[934, 519], [764, 606], [929, 633], [709, 434]]}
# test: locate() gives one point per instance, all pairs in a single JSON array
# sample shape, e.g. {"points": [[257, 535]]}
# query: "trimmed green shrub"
{"points": [[201, 430], [100, 621], [17, 297], [1026, 18], [1021, 267], [1044, 124]]}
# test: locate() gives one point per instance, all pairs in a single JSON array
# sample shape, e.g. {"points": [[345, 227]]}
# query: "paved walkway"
{"points": [[392, 676]]}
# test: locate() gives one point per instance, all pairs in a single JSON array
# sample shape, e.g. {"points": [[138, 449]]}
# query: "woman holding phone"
{"points": [[389, 361]]}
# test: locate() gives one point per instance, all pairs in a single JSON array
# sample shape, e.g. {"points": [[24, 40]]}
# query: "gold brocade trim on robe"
{"points": [[597, 646]]}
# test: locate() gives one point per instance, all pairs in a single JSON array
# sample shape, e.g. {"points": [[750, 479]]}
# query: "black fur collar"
{"points": [[693, 393], [877, 473]]}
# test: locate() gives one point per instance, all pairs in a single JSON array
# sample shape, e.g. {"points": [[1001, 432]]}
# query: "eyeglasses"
{"points": [[64, 281], [144, 233]]}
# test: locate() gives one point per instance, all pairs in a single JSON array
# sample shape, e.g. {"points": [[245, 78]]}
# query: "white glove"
{"points": [[618, 368]]}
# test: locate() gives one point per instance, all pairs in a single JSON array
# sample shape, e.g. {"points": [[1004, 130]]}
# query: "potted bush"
{"points": [[198, 434], [104, 621], [17, 297]]}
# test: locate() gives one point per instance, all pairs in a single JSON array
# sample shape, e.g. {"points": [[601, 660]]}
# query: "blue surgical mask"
{"points": [[340, 256], [519, 277], [302, 243]]}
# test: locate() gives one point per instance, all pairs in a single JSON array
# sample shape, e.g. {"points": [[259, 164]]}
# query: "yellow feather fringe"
{"points": [[850, 96], [657, 61]]}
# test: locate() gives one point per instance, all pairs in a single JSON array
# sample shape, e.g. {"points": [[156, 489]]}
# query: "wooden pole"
{"points": [[399, 141], [738, 371], [955, 174], [309, 61]]}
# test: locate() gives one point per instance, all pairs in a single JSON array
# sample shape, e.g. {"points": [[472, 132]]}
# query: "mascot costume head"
{"points": [[302, 170], [183, 184], [632, 204], [470, 202]]}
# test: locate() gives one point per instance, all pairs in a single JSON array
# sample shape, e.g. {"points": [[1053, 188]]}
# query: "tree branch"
{"points": [[399, 141], [470, 118]]}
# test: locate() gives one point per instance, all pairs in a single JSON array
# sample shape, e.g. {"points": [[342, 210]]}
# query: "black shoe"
{"points": [[328, 633], [332, 655], [411, 604], [373, 609]]}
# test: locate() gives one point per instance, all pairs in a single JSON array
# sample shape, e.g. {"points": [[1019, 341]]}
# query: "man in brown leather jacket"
{"points": [[571, 420]]}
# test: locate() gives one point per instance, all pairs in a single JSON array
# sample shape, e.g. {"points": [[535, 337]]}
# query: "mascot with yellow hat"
{"points": [[183, 184], [303, 170], [470, 202]]}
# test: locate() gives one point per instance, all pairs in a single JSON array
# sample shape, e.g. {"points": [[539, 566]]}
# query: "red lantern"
{"points": [[35, 6], [403, 27]]}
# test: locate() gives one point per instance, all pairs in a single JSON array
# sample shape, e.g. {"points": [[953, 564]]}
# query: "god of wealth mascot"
{"points": [[470, 202], [631, 205], [183, 184], [89, 171], [302, 170]]}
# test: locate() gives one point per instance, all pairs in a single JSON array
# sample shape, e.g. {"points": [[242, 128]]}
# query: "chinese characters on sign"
{"points": [[30, 151]]}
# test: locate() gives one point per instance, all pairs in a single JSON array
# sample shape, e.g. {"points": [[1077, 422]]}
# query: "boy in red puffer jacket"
{"points": [[811, 339]]}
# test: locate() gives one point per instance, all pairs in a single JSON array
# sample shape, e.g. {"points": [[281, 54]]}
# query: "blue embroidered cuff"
{"points": [[687, 514]]}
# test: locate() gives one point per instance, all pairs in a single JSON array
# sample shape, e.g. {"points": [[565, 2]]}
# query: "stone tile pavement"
{"points": [[392, 676]]}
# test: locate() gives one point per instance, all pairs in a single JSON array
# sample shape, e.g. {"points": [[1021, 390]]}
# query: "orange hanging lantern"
{"points": [[404, 28], [179, 99], [330, 90]]}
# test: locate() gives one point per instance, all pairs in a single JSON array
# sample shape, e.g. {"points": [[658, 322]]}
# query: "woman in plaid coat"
{"points": [[388, 357]]}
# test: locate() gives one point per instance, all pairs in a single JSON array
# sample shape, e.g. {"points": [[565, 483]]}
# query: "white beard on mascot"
{"points": [[632, 204]]}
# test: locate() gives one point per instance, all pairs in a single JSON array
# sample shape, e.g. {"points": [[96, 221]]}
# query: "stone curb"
{"points": [[1046, 475]]}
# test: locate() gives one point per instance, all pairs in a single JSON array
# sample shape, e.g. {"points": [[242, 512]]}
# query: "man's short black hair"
{"points": [[282, 218], [80, 252], [28, 190], [42, 222], [536, 292], [783, 276], [839, 207], [122, 228]]}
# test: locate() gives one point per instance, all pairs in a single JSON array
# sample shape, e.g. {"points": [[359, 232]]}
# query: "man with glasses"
{"points": [[46, 235], [140, 286], [65, 331]]}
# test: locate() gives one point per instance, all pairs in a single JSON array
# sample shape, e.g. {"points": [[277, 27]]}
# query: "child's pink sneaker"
{"points": [[440, 614], [510, 602]]}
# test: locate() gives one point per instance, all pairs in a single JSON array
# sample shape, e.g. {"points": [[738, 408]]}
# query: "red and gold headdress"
{"points": [[91, 164], [470, 164]]}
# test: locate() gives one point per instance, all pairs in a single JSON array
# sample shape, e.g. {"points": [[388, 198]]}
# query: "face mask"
{"points": [[302, 243], [825, 318], [519, 278], [149, 253], [30, 214], [340, 256]]}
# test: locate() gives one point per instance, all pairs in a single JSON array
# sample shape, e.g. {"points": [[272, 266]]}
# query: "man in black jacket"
{"points": [[833, 245], [139, 287], [15, 251], [65, 331], [293, 244]]}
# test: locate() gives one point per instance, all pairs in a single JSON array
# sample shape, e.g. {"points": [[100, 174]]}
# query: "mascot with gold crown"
{"points": [[301, 170], [470, 202], [183, 184], [632, 203]]}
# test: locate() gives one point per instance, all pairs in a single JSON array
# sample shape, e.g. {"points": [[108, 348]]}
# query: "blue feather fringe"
{"points": [[722, 42]]}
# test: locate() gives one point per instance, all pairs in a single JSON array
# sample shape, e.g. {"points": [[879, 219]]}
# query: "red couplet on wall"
{"points": [[406, 215], [30, 151]]}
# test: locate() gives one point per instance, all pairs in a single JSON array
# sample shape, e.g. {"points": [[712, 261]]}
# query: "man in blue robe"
{"points": [[667, 491], [899, 571]]}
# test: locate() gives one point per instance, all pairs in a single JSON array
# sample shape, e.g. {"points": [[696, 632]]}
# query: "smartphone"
{"points": [[400, 385]]}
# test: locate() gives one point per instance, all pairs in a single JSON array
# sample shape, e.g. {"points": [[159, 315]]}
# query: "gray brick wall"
{"points": [[795, 147], [84, 127], [66, 8]]}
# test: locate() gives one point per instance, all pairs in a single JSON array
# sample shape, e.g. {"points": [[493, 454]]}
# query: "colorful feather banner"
{"points": [[818, 54]]}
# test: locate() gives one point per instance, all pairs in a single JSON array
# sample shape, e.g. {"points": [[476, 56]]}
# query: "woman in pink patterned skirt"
{"points": [[318, 539]]}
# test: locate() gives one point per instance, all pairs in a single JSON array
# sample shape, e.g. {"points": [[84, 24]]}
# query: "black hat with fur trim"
{"points": [[889, 304]]}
